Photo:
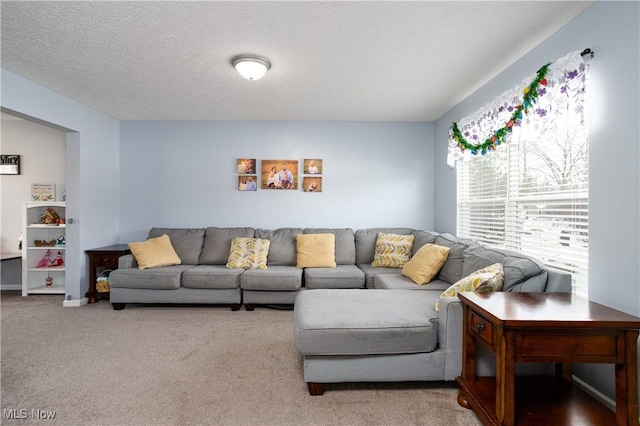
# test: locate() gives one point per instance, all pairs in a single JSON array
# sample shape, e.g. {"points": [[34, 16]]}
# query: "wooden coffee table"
{"points": [[546, 327]]}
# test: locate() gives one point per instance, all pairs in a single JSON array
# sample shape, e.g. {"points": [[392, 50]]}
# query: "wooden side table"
{"points": [[546, 327], [102, 258]]}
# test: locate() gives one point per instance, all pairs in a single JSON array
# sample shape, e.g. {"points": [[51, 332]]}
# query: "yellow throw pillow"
{"points": [[248, 253], [155, 252], [486, 279], [392, 250], [426, 263], [316, 250]]}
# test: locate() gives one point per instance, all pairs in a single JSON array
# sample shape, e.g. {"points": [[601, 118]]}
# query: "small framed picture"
{"points": [[246, 166], [312, 166], [9, 164], [43, 192], [312, 184], [247, 183], [279, 174]]}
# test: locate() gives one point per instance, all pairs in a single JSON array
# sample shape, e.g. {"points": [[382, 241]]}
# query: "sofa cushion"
{"points": [[400, 282], [163, 278], [345, 243], [487, 279], [342, 276], [519, 270], [211, 277], [426, 263], [248, 253], [187, 242], [282, 251], [392, 250], [356, 322], [451, 271], [421, 238], [154, 252], [217, 244], [366, 242], [370, 273], [316, 250], [276, 278]]}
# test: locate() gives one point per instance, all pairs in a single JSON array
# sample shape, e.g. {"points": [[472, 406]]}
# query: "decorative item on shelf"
{"points": [[45, 261], [44, 243], [48, 282], [49, 217], [61, 241], [102, 282], [43, 191], [58, 261]]}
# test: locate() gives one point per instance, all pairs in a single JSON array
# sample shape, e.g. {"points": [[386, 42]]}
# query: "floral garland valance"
{"points": [[548, 89]]}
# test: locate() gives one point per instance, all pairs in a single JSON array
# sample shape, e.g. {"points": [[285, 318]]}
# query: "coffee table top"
{"points": [[524, 310]]}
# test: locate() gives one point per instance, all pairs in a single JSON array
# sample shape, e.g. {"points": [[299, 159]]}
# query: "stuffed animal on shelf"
{"points": [[58, 261], [46, 260]]}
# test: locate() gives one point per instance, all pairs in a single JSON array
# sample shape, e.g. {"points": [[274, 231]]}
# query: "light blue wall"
{"points": [[183, 174], [92, 169], [612, 31]]}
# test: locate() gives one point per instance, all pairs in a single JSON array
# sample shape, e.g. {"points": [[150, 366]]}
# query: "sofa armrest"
{"points": [[558, 282], [127, 261], [450, 335]]}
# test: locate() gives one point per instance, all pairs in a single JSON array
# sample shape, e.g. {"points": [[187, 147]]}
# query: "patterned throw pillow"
{"points": [[486, 279], [248, 253], [426, 263], [392, 250]]}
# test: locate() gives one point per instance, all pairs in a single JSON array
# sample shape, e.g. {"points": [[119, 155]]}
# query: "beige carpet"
{"points": [[170, 365]]}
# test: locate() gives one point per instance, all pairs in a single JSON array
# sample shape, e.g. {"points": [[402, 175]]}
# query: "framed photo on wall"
{"points": [[279, 174], [247, 183], [312, 166], [9, 164], [246, 166], [312, 184]]}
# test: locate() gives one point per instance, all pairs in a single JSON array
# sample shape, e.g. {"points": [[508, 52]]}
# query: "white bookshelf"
{"points": [[33, 276]]}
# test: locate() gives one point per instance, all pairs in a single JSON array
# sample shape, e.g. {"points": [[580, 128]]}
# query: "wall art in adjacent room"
{"points": [[9, 164]]}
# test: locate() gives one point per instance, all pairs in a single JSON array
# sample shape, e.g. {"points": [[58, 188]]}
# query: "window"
{"points": [[531, 194]]}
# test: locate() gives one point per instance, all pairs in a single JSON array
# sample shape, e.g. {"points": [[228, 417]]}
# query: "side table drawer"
{"points": [[481, 328], [106, 260]]}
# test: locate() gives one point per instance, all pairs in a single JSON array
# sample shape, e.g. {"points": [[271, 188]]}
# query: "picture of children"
{"points": [[313, 166], [246, 166], [247, 183], [312, 184], [279, 174], [251, 184]]}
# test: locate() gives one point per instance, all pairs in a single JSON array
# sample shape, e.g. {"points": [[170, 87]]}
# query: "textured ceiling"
{"points": [[345, 61]]}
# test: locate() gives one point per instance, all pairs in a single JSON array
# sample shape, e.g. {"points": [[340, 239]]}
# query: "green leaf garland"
{"points": [[528, 100]]}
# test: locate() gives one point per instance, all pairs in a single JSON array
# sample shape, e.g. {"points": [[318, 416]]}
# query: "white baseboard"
{"points": [[602, 398], [11, 287], [75, 303]]}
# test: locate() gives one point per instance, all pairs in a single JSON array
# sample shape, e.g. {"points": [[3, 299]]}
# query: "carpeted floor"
{"points": [[174, 365]]}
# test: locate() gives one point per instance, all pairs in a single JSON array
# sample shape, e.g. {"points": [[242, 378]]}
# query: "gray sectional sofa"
{"points": [[348, 326]]}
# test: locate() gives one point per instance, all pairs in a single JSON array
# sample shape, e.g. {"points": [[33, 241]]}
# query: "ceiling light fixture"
{"points": [[251, 67]]}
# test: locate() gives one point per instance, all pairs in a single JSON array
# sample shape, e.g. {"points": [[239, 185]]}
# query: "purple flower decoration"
{"points": [[510, 108], [466, 134], [475, 137], [572, 74], [542, 91], [563, 89], [541, 112]]}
